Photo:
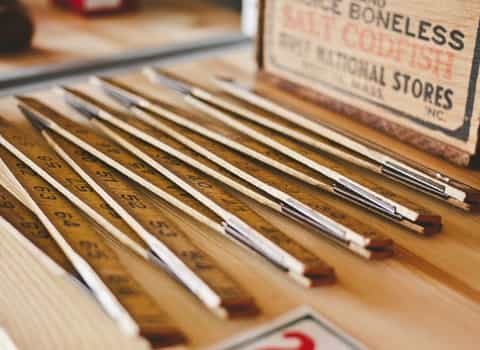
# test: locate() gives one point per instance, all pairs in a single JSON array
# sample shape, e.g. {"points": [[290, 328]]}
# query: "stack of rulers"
{"points": [[134, 207]]}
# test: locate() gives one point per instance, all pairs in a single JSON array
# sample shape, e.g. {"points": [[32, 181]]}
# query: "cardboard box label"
{"points": [[301, 329], [414, 63]]}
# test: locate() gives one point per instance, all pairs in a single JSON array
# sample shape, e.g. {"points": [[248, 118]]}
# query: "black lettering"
{"points": [[397, 22], [439, 35], [407, 80], [383, 19], [428, 94], [336, 7], [448, 99], [423, 29], [439, 96], [407, 28], [354, 12], [368, 15], [457, 42], [417, 88], [396, 78]]}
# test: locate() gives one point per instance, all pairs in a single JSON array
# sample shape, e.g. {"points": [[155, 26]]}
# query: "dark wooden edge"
{"points": [[260, 32]]}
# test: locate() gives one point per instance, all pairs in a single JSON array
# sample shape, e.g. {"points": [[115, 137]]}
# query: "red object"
{"points": [[97, 6], [304, 342]]}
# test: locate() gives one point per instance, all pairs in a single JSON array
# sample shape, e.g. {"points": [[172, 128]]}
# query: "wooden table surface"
{"points": [[426, 297], [64, 37]]}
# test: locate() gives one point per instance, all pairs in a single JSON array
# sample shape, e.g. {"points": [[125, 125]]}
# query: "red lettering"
{"points": [[385, 47], [401, 49], [308, 22], [349, 35], [292, 21], [422, 57], [368, 40], [329, 28], [305, 342], [443, 62], [424, 60]]}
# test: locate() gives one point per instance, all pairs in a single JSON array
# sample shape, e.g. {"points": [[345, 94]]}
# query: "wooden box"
{"points": [[409, 68]]}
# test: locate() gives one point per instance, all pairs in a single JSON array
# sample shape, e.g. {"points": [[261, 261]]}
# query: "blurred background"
{"points": [[45, 39]]}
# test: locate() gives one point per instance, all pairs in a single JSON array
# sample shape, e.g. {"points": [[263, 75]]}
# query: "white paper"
{"points": [[300, 329]]}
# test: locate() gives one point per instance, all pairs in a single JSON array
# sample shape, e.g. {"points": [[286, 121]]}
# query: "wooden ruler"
{"points": [[395, 208], [33, 235], [258, 234], [121, 296], [186, 262], [349, 147], [173, 122], [34, 151], [173, 250], [342, 229], [308, 163]]}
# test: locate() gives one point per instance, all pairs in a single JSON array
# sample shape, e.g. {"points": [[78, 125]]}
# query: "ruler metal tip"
{"points": [[80, 103], [116, 92], [301, 213], [225, 82], [223, 78], [32, 115], [171, 83]]}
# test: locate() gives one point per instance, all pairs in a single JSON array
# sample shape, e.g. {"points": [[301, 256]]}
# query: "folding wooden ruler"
{"points": [[342, 229], [346, 146], [159, 235], [81, 242], [21, 222], [305, 163], [258, 234], [352, 188]]}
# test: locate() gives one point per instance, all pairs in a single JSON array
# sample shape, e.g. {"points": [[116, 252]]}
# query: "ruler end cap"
{"points": [[160, 337], [328, 277], [237, 311]]}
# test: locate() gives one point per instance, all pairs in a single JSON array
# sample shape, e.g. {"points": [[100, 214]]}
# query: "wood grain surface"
{"points": [[64, 37], [426, 297], [42, 310]]}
